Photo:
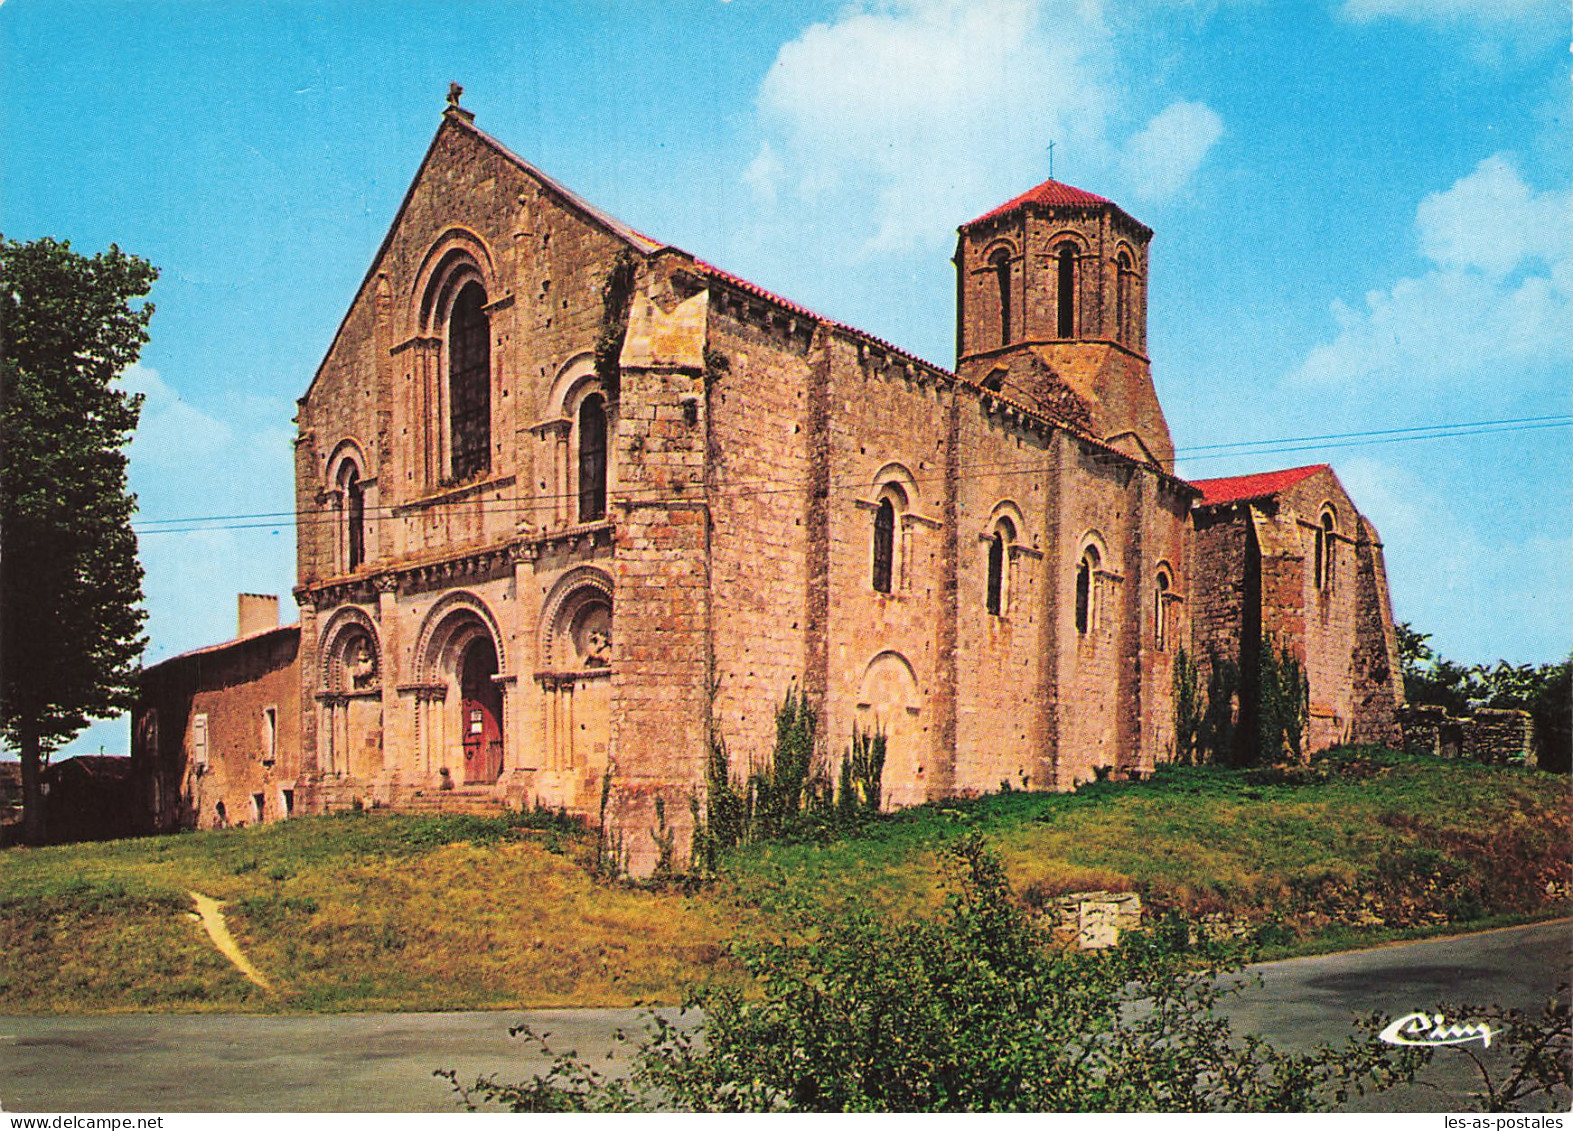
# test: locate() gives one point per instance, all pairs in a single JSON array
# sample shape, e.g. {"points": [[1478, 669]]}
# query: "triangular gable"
{"points": [[457, 121]]}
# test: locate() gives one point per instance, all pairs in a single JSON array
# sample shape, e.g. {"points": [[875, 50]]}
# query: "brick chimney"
{"points": [[256, 612]]}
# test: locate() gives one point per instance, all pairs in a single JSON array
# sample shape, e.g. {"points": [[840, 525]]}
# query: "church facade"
{"points": [[575, 504]]}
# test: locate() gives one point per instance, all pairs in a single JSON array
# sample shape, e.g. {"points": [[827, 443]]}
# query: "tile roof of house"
{"points": [[224, 645], [1238, 488], [1050, 193]]}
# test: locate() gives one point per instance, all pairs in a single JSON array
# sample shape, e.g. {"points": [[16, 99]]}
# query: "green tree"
{"points": [[70, 582]]}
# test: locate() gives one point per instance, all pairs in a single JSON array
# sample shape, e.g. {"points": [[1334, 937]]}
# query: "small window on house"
{"points": [[470, 383], [199, 740], [257, 809], [1000, 264], [884, 544], [287, 802], [592, 459], [1086, 581], [1066, 288], [1160, 612], [1326, 545], [270, 735]]}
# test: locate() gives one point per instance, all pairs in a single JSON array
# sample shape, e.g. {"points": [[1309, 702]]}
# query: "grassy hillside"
{"points": [[379, 911]]}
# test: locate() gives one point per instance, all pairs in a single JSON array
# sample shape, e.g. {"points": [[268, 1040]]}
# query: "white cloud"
{"points": [[902, 118], [1158, 161], [1499, 295], [1492, 221], [172, 433]]}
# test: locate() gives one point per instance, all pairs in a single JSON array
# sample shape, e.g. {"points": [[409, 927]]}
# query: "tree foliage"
{"points": [[974, 1009], [71, 585]]}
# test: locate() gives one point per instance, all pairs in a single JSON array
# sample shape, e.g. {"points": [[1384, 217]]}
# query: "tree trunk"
{"points": [[33, 830]]}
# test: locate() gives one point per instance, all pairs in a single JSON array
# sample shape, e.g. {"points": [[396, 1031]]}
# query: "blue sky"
{"points": [[1364, 217]]}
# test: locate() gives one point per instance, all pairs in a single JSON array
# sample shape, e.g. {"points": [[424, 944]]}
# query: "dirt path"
{"points": [[212, 916]]}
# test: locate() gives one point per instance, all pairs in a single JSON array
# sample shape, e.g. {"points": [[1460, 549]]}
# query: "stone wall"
{"points": [[217, 729], [888, 655], [1492, 736]]}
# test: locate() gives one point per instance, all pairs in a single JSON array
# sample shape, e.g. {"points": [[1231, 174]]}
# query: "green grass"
{"points": [[374, 910]]}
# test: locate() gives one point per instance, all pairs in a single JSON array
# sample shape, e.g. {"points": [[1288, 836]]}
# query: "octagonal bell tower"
{"points": [[1051, 309]]}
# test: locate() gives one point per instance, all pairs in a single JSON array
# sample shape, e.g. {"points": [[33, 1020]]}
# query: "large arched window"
{"points": [[469, 383], [999, 262], [1066, 289], [354, 517], [1326, 530], [884, 544], [347, 483], [1086, 590], [592, 459]]}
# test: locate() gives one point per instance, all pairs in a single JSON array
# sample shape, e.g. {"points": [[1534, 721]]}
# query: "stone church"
{"points": [[574, 503]]}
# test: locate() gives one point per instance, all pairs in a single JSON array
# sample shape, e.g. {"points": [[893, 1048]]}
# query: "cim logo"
{"points": [[1432, 1029]]}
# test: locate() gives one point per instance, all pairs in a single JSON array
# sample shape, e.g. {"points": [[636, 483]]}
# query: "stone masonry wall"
{"points": [[1001, 723], [888, 427], [758, 467], [231, 685]]}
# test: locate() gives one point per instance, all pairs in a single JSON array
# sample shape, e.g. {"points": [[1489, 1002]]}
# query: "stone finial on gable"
{"points": [[455, 92]]}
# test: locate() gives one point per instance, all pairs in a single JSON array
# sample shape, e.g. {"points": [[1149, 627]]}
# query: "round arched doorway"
{"points": [[480, 712]]}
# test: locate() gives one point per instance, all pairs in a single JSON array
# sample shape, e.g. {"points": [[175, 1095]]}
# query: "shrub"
{"points": [[971, 1010]]}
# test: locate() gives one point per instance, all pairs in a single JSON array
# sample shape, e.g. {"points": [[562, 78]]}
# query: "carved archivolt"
{"points": [[576, 622], [350, 656], [459, 256], [452, 622]]}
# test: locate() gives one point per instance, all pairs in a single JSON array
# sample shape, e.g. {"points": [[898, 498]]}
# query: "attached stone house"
{"points": [[574, 502], [215, 734]]}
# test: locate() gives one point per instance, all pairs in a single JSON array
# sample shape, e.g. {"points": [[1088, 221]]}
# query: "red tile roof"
{"points": [[1238, 488], [1049, 193]]}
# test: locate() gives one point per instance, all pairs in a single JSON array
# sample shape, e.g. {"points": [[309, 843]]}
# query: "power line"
{"points": [[765, 486]]}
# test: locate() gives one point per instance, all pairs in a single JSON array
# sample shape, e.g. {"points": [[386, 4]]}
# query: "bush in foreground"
{"points": [[971, 1010]]}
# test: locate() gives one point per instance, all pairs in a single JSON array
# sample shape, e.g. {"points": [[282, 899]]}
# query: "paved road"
{"points": [[383, 1062]]}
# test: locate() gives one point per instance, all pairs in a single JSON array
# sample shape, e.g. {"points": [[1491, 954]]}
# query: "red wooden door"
{"points": [[481, 714]]}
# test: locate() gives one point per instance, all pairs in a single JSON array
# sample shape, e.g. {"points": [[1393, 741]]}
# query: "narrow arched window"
{"points": [[1324, 550], [884, 545], [1160, 613], [1001, 265], [1122, 292], [354, 517], [995, 598], [1067, 292], [592, 459], [469, 383], [1085, 592]]}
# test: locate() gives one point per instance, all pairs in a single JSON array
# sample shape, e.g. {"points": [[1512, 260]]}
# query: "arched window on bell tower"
{"points": [[999, 263], [1122, 298], [1065, 323]]}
